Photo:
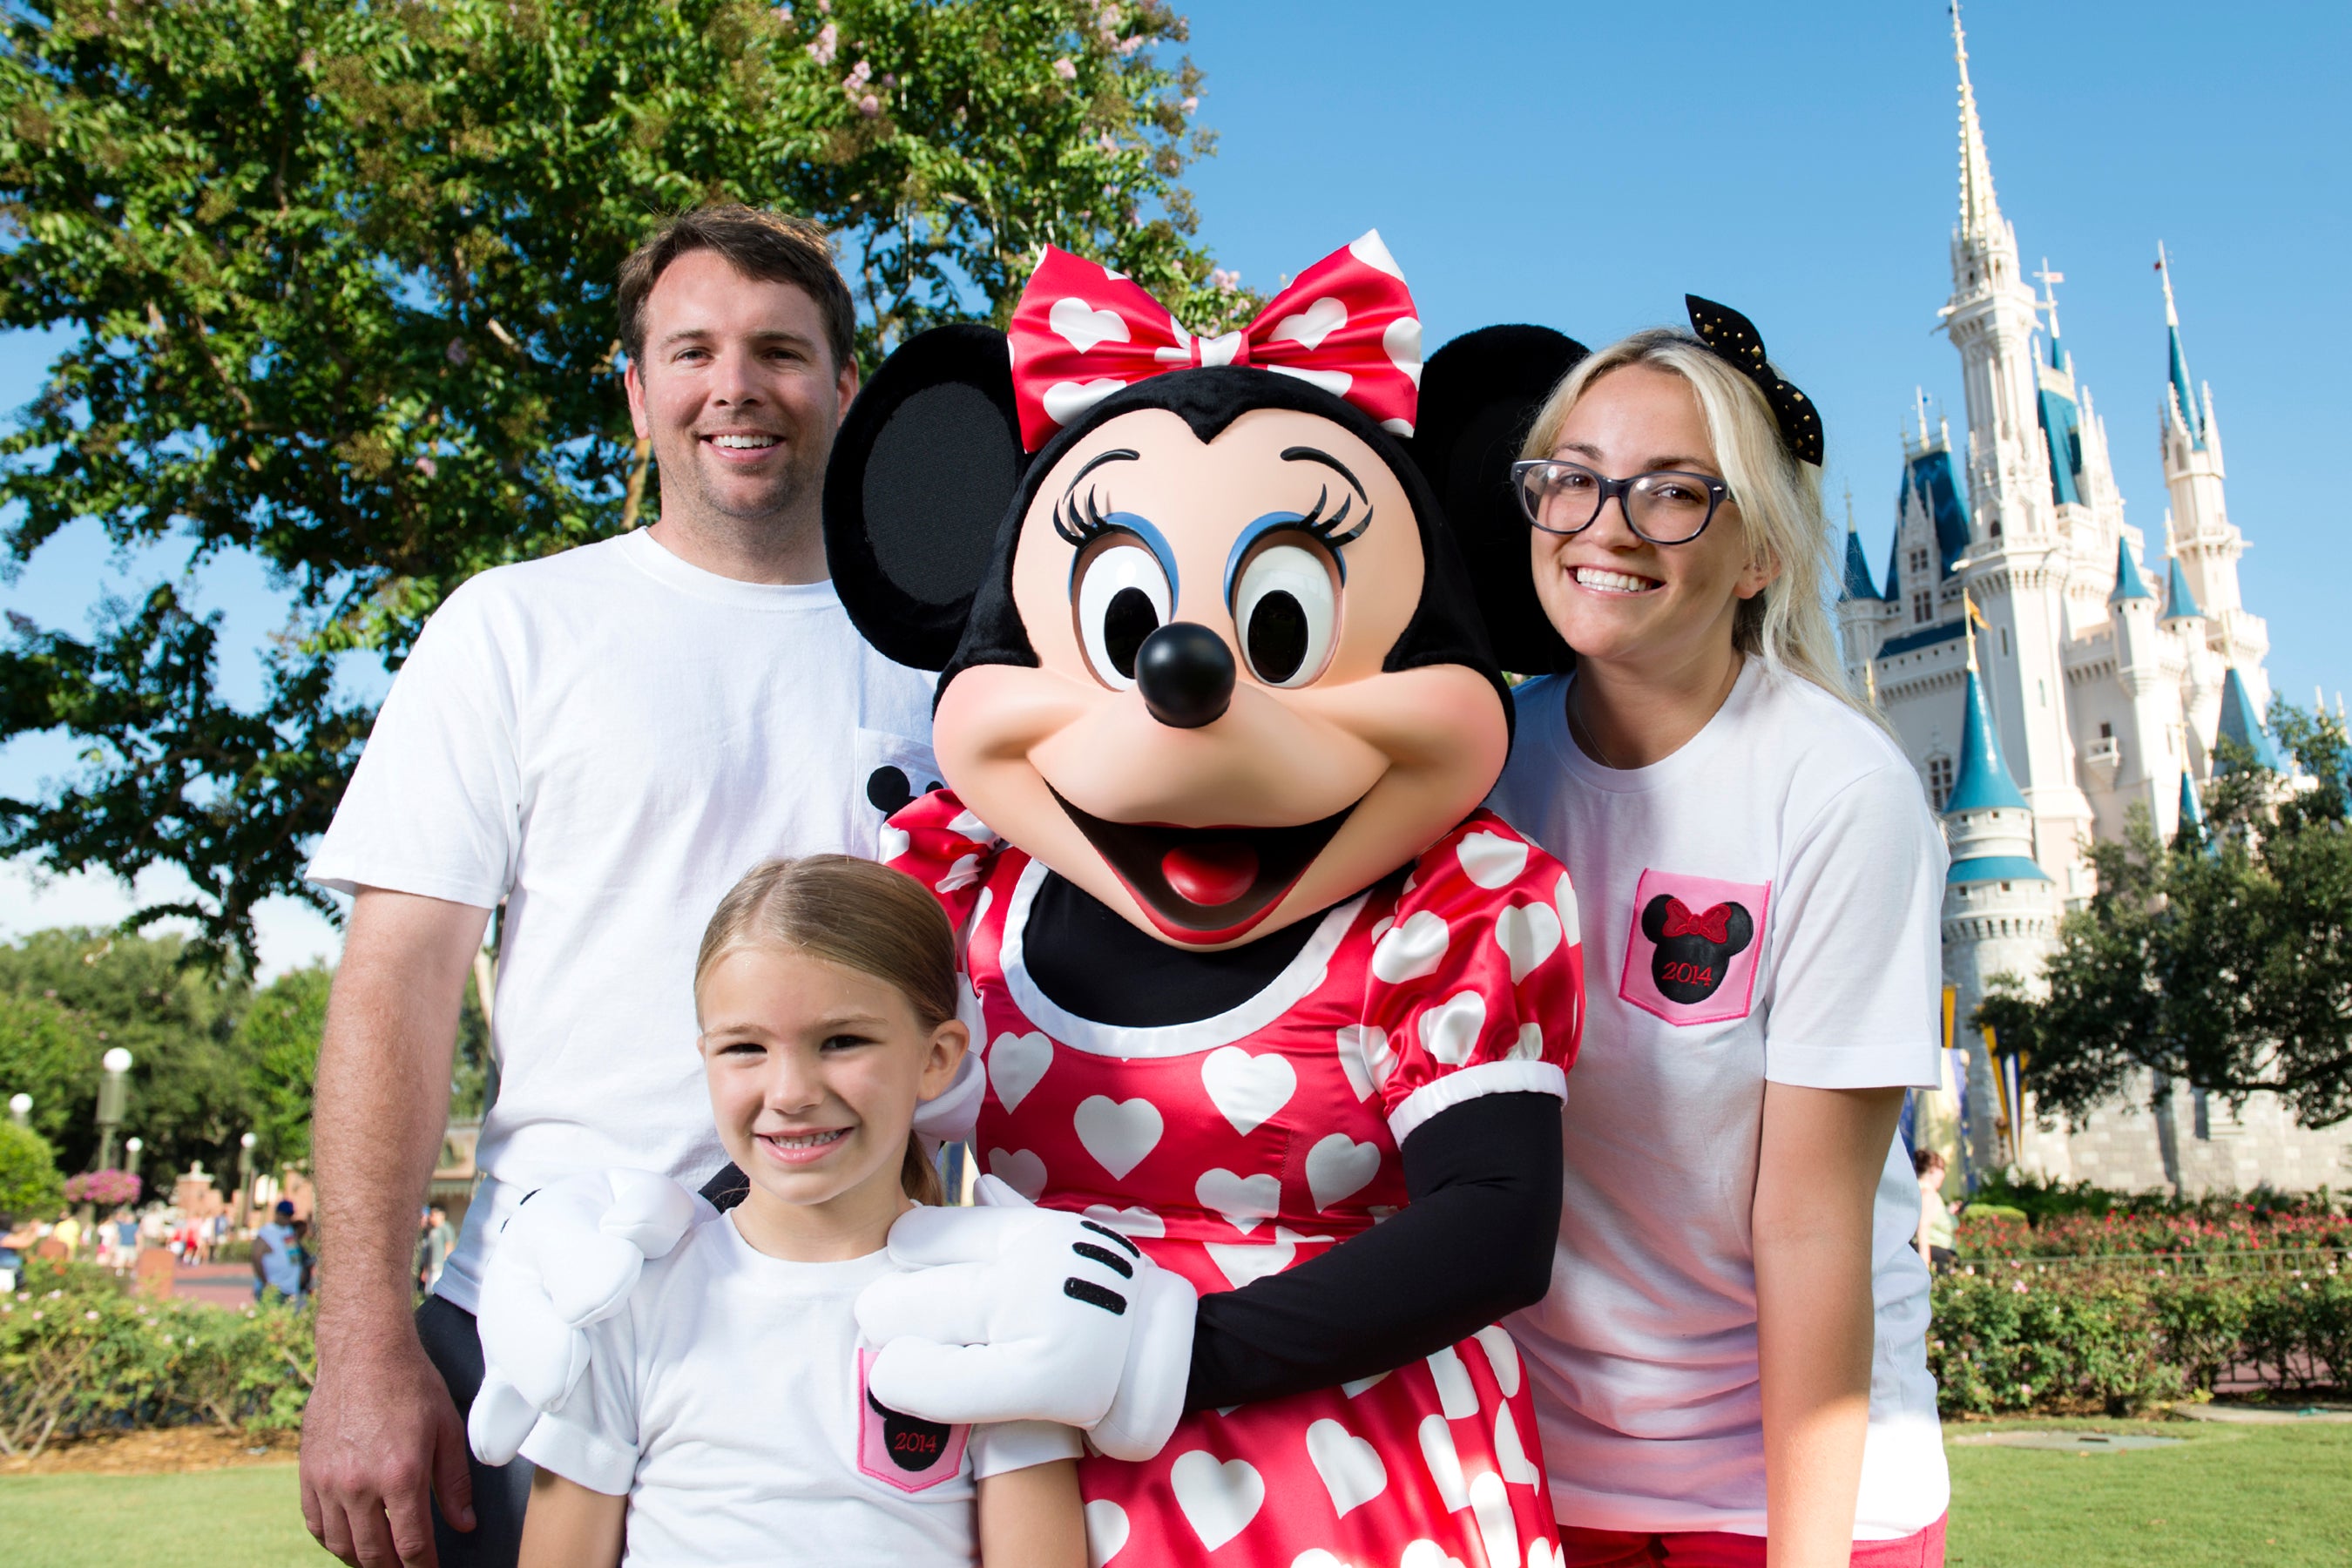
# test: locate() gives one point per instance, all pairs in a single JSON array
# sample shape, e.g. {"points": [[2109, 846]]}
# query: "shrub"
{"points": [[78, 1355], [2010, 1337], [28, 1173]]}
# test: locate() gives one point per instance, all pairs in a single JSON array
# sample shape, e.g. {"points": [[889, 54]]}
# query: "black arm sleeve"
{"points": [[1477, 1242]]}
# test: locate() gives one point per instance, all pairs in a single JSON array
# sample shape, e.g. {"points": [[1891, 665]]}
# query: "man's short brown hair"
{"points": [[769, 245]]}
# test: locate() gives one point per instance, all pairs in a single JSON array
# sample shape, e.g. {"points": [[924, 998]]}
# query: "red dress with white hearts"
{"points": [[1244, 1145]]}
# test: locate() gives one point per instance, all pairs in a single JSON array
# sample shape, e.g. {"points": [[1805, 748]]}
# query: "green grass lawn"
{"points": [[2229, 1497], [246, 1517]]}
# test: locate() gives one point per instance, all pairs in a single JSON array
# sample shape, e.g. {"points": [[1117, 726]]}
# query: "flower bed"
{"points": [[2019, 1336], [2242, 1233], [78, 1355]]}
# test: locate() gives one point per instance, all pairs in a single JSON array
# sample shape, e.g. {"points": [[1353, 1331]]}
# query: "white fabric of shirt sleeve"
{"points": [[592, 1437], [1003, 1447], [1857, 969], [434, 806]]}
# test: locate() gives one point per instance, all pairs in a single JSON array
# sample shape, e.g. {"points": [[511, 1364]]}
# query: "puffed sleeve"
{"points": [[592, 1437], [1477, 985], [941, 844]]}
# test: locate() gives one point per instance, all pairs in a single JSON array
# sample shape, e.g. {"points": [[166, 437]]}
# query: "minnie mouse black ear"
{"points": [[1479, 395], [923, 473]]}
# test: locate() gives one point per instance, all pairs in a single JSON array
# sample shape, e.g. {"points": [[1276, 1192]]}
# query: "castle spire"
{"points": [[1979, 213], [2184, 393], [1857, 584], [1984, 783], [2192, 810], [2242, 723], [2129, 583]]}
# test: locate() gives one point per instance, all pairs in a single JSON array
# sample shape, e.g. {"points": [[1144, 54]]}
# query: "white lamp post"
{"points": [[131, 1148], [112, 1092], [245, 1179], [20, 1110]]}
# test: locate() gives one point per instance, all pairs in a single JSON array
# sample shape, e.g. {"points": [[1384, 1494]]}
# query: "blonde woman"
{"points": [[1730, 1366]]}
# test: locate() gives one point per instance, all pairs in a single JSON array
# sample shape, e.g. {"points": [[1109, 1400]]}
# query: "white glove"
{"points": [[1019, 1313], [567, 1257]]}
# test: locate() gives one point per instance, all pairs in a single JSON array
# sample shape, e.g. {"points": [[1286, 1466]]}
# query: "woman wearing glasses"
{"points": [[1730, 1368]]}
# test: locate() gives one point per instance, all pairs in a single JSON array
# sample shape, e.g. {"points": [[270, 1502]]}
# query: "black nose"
{"points": [[1186, 672]]}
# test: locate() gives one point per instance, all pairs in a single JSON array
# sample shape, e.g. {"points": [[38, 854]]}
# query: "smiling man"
{"points": [[600, 742]]}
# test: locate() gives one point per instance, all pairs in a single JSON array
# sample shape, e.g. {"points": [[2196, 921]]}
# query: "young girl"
{"points": [[825, 989]]}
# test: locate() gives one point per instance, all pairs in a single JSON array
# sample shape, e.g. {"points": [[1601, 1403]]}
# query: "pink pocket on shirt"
{"points": [[901, 1450], [1691, 956]]}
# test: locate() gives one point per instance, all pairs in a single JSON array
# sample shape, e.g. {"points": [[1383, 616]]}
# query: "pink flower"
{"points": [[429, 468], [869, 106], [1192, 106], [457, 353], [828, 42], [90, 1317], [1128, 45], [1064, 69]]}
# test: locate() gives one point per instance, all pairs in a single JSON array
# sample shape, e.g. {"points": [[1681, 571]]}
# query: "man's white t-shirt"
{"points": [[726, 1402], [1765, 904], [607, 739]]}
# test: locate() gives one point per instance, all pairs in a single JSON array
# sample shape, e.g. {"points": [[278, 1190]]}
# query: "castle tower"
{"points": [[2202, 537], [2000, 909], [1862, 614], [2139, 761], [2017, 561]]}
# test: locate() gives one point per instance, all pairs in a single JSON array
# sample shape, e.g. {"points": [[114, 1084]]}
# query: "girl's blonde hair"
{"points": [[857, 914], [1779, 497]]}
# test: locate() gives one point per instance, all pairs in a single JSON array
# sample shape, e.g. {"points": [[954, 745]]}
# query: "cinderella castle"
{"points": [[2048, 667]]}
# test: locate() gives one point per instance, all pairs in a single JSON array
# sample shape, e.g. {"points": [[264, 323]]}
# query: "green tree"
{"points": [[29, 1182], [81, 992], [339, 275], [280, 1035], [2223, 958]]}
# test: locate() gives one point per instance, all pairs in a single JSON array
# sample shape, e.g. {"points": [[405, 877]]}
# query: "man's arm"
{"points": [[381, 1427]]}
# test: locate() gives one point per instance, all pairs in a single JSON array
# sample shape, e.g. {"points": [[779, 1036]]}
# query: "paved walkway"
{"points": [[220, 1284]]}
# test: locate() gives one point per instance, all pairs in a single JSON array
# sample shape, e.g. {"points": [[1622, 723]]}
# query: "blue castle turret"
{"points": [[2240, 723]]}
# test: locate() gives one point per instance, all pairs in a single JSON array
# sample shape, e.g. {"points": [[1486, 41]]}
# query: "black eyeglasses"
{"points": [[1665, 508]]}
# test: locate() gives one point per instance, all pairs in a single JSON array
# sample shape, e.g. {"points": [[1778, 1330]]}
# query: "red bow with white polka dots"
{"points": [[1346, 325]]}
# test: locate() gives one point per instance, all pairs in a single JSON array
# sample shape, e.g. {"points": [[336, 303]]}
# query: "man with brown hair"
{"points": [[600, 742]]}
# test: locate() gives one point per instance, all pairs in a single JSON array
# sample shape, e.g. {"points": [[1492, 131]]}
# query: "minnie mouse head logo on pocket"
{"points": [[901, 1450], [1693, 951]]}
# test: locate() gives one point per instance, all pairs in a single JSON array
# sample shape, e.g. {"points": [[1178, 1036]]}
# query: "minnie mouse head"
{"points": [[1207, 650]]}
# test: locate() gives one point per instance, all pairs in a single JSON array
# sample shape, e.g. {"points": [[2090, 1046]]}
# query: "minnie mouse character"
{"points": [[1267, 1006]]}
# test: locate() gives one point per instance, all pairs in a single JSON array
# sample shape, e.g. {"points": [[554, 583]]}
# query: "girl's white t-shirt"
{"points": [[1764, 905], [728, 1402]]}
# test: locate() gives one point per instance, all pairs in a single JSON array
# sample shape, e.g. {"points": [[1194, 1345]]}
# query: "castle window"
{"points": [[1939, 780], [2106, 730], [1922, 608], [2004, 642], [1918, 561]]}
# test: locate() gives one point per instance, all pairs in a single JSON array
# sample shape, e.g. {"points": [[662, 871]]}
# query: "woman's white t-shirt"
{"points": [[1764, 905], [728, 1402]]}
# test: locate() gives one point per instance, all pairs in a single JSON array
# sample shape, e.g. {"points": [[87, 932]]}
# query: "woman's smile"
{"points": [[1603, 580]]}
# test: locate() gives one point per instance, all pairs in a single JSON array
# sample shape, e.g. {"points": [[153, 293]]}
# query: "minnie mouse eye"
{"points": [[1122, 599], [1285, 608]]}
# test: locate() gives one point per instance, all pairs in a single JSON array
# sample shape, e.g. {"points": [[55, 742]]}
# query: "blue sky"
{"points": [[1585, 165]]}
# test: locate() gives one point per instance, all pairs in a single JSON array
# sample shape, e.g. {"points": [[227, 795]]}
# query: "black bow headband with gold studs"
{"points": [[1734, 337]]}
